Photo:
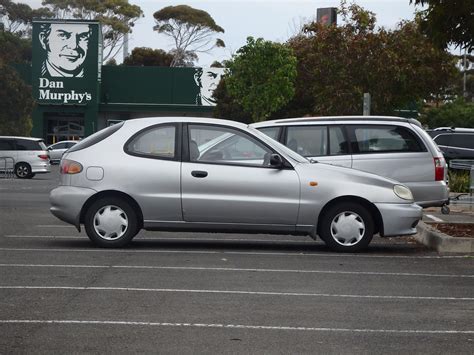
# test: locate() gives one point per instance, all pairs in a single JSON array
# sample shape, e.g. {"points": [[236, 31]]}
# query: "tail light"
{"points": [[43, 156], [70, 167], [439, 169]]}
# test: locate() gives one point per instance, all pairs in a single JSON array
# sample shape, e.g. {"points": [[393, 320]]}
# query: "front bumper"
{"points": [[399, 219], [67, 201]]}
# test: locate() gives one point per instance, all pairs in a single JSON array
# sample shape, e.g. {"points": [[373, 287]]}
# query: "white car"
{"points": [[57, 150], [25, 156]]}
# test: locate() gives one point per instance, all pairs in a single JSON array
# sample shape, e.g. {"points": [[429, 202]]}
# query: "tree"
{"points": [[143, 56], [14, 49], [116, 16], [17, 17], [227, 107], [456, 114], [261, 77], [16, 103], [192, 31], [338, 64], [448, 22]]}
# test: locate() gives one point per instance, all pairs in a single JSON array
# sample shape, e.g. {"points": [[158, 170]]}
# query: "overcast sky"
{"points": [[274, 20]]}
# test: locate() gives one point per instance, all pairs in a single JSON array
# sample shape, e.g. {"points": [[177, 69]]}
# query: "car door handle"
{"points": [[199, 173]]}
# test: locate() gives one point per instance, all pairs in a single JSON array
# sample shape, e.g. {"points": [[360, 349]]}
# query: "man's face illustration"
{"points": [[209, 80], [67, 46]]}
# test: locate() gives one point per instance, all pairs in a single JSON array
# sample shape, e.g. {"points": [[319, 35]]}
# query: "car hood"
{"points": [[332, 181]]}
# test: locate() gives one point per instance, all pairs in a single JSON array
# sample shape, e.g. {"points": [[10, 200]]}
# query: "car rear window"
{"points": [[96, 137]]}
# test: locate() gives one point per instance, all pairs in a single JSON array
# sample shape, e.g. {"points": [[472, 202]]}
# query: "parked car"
{"points": [[161, 174], [393, 147], [455, 143], [57, 150], [24, 155]]}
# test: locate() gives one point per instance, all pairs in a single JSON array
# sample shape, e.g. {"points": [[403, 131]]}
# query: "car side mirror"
{"points": [[49, 148], [276, 161]]}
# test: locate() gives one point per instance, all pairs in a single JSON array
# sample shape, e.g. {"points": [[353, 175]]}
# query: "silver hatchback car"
{"points": [[394, 147], [200, 174]]}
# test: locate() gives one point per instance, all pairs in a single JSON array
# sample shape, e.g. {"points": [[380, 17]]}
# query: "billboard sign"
{"points": [[66, 62]]}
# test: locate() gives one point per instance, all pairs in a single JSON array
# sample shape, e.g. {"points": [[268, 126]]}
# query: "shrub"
{"points": [[459, 180]]}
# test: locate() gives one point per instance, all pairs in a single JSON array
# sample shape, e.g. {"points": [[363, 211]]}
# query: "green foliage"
{"points": [[17, 17], [143, 56], [455, 114], [227, 107], [116, 16], [16, 103], [448, 22], [14, 49], [191, 30], [459, 180], [338, 64], [262, 77]]}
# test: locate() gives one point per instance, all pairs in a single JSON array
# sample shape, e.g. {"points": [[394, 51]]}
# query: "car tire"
{"points": [[347, 227], [111, 222], [22, 170], [32, 175]]}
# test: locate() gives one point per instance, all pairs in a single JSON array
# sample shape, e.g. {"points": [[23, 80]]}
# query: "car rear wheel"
{"points": [[110, 222], [22, 171], [347, 227]]}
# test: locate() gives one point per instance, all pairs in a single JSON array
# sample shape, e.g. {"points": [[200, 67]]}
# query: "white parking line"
{"points": [[191, 268], [436, 219], [234, 292], [160, 239], [232, 326], [296, 253]]}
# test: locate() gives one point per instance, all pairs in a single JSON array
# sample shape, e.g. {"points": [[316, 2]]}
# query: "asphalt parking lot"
{"points": [[220, 293]]}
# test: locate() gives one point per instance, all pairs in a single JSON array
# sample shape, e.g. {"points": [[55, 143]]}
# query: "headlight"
{"points": [[403, 192]]}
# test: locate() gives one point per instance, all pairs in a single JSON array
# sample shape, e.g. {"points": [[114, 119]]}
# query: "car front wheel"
{"points": [[110, 222], [347, 227]]}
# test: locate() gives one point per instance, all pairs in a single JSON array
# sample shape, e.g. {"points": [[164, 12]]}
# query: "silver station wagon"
{"points": [[394, 147], [200, 174]]}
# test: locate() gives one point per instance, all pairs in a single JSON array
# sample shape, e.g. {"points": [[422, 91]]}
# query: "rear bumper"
{"points": [[41, 168], [399, 219], [67, 201], [430, 194]]}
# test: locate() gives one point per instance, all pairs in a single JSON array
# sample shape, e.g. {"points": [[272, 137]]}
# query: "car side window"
{"points": [[156, 142], [308, 141], [272, 132], [442, 139], [6, 144], [59, 146], [338, 144], [225, 145], [26, 144], [465, 141], [385, 139]]}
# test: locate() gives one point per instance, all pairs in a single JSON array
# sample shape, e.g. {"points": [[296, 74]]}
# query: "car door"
{"points": [[232, 181], [323, 143]]}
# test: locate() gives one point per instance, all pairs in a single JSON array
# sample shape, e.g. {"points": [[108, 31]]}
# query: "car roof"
{"points": [[452, 130], [147, 121], [27, 138], [336, 118]]}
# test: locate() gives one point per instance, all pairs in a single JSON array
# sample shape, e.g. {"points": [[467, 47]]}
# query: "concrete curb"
{"points": [[441, 242]]}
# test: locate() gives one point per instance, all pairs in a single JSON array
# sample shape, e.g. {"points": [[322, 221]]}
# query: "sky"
{"points": [[274, 20]]}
